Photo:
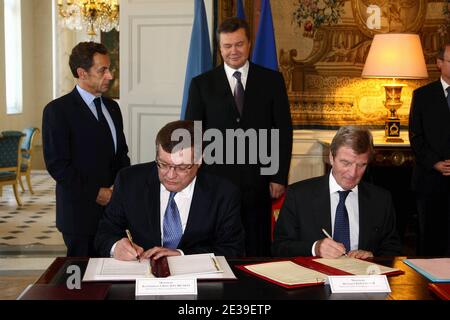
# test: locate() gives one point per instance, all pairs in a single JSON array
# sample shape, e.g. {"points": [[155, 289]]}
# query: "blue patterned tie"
{"points": [[239, 92], [341, 224], [172, 229]]}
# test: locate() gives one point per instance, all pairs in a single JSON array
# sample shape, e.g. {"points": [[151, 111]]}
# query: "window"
{"points": [[13, 56]]}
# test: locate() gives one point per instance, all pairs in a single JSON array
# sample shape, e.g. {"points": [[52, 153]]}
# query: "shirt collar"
{"points": [[444, 85], [335, 187], [243, 70], [186, 192], [86, 95]]}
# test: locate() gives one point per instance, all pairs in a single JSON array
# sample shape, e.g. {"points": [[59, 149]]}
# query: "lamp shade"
{"points": [[395, 55]]}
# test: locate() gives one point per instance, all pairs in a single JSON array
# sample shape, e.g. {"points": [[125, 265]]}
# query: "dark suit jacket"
{"points": [[213, 224], [429, 134], [306, 210], [77, 156], [266, 106]]}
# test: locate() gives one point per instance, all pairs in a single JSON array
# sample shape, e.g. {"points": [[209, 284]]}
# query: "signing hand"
{"points": [[360, 254], [159, 252], [328, 248], [125, 251]]}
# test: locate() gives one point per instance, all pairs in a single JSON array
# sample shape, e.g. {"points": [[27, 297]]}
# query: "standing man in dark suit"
{"points": [[170, 206], [240, 95], [429, 134], [359, 216], [84, 148]]}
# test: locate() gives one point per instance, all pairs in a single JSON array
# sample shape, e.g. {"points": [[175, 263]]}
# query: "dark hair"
{"points": [[82, 55], [233, 24], [441, 52], [357, 138], [168, 138]]}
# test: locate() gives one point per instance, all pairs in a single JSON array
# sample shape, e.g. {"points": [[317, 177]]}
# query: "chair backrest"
{"points": [[10, 150], [27, 143]]}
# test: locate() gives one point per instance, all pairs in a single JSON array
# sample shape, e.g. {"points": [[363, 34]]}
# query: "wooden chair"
{"points": [[27, 155], [10, 159]]}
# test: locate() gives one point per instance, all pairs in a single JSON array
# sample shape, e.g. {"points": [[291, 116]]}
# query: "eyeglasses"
{"points": [[181, 168]]}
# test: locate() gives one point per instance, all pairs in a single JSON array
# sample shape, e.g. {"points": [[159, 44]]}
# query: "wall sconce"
{"points": [[395, 56]]}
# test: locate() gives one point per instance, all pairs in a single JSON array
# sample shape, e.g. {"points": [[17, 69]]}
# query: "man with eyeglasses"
{"points": [[170, 207], [429, 134]]}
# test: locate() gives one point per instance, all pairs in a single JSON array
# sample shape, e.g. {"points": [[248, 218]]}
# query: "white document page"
{"points": [[193, 264], [355, 266], [287, 272]]}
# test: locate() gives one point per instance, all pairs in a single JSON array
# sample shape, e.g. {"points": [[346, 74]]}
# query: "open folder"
{"points": [[200, 266], [310, 271]]}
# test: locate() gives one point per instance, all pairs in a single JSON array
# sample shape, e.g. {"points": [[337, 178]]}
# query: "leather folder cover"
{"points": [[88, 291], [160, 267], [308, 262], [442, 290]]}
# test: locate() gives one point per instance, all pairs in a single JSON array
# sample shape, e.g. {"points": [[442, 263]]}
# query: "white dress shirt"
{"points": [[183, 200], [352, 205], [444, 86], [232, 80]]}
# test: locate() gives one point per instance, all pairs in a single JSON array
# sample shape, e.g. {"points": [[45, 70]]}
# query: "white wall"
{"points": [[36, 69]]}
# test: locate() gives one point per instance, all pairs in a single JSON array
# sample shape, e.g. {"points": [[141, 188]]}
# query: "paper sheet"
{"points": [[287, 272], [355, 266]]}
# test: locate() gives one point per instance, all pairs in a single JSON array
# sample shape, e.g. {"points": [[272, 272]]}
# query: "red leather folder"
{"points": [[243, 268], [307, 262], [88, 291], [442, 290]]}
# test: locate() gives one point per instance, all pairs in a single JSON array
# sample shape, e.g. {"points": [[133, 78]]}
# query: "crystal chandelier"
{"points": [[91, 15]]}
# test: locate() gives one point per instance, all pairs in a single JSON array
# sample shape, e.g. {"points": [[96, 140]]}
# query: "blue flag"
{"points": [[199, 59], [265, 51], [240, 10]]}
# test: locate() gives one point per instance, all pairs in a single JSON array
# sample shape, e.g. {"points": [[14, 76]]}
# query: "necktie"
{"points": [[448, 97], [172, 229], [239, 92], [341, 224], [103, 122]]}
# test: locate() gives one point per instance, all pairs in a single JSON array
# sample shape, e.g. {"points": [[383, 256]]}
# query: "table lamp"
{"points": [[395, 56]]}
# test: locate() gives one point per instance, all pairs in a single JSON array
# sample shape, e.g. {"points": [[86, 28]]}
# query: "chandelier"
{"points": [[91, 15]]}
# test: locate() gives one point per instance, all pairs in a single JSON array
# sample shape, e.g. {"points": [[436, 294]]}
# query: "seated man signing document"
{"points": [[359, 216], [170, 207]]}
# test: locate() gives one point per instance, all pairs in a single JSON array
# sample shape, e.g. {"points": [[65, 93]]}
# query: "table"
{"points": [[408, 286]]}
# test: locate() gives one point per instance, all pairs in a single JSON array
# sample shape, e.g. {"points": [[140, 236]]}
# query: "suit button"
{"points": [[237, 120]]}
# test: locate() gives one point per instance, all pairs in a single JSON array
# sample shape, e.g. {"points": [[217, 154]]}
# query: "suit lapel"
{"points": [[153, 199], [199, 207], [322, 206], [82, 106], [365, 217], [442, 108]]}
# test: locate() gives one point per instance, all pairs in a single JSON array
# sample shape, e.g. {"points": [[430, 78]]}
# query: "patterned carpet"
{"points": [[30, 227]]}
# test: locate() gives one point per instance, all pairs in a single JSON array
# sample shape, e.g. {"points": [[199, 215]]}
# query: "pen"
{"points": [[329, 237], [132, 243], [215, 263]]}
